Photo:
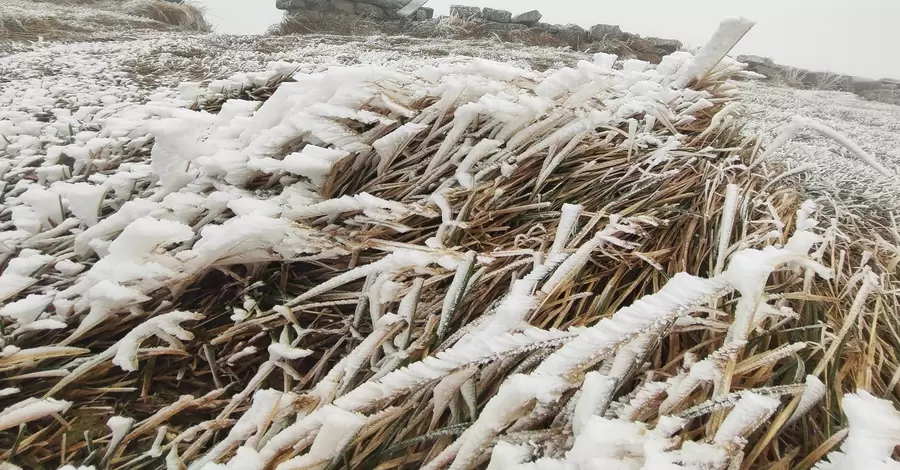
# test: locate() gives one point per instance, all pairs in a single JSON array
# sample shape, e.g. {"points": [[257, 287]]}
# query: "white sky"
{"points": [[859, 37]]}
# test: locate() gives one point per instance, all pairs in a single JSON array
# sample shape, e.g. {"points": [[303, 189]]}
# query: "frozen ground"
{"points": [[134, 70], [873, 126]]}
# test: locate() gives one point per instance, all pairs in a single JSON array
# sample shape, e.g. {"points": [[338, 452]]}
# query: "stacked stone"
{"points": [[490, 20], [529, 18], [377, 9]]}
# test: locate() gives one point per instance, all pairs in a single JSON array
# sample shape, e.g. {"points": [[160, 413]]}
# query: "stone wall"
{"points": [[885, 90], [483, 22], [375, 9], [491, 21]]}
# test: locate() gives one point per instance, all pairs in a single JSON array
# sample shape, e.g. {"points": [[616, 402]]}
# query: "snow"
{"points": [[874, 433], [30, 409], [166, 326]]}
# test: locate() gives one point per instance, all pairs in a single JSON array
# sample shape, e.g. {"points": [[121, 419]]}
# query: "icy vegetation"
{"points": [[435, 264], [832, 168], [40, 20]]}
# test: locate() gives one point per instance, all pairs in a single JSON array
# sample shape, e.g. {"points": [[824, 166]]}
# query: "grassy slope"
{"points": [[27, 20]]}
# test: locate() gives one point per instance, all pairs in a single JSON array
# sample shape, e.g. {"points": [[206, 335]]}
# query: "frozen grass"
{"points": [[314, 279], [834, 171], [26, 20]]}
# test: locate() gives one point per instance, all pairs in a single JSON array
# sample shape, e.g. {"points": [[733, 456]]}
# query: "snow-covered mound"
{"points": [[38, 20], [433, 264]]}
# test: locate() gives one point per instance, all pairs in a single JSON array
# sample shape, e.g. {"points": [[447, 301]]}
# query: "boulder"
{"points": [[465, 12], [528, 17], [761, 65], [318, 4], [668, 45], [573, 34], [549, 28], [366, 9], [498, 16], [290, 4], [421, 15], [429, 12], [387, 4], [345, 6], [754, 59], [606, 32]]}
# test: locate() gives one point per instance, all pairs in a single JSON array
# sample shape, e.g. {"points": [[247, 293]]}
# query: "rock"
{"points": [[498, 16], [387, 4], [549, 28], [371, 11], [429, 12], [754, 59], [345, 6], [668, 45], [290, 4], [462, 11], [606, 32], [573, 34], [318, 4], [528, 17], [421, 15], [761, 65]]}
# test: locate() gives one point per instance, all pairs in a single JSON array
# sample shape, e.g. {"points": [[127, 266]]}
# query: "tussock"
{"points": [[465, 264], [22, 20], [183, 16]]}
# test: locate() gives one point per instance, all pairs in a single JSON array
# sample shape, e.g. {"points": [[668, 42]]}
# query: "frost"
{"points": [[751, 411], [166, 326], [31, 409], [874, 432], [27, 310], [390, 145]]}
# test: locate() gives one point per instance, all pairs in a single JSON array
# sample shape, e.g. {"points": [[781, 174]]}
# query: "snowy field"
{"points": [[874, 126]]}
